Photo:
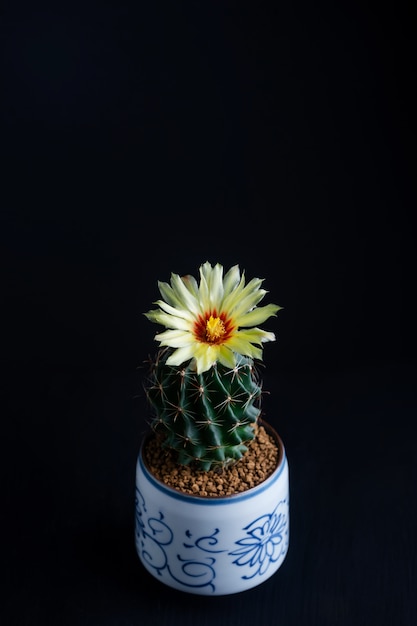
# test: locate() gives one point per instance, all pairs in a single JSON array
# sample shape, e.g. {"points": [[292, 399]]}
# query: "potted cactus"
{"points": [[212, 487]]}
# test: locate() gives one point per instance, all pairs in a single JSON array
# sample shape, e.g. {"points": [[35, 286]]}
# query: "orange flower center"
{"points": [[213, 328]]}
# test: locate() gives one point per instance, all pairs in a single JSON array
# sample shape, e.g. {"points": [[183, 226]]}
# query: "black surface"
{"points": [[140, 140]]}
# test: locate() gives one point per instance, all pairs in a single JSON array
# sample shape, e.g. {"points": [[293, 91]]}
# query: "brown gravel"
{"points": [[253, 468]]}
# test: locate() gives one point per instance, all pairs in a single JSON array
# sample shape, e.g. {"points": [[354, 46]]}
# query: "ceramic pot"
{"points": [[212, 545]]}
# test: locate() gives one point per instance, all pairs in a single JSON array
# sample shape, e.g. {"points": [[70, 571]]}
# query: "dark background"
{"points": [[141, 139]]}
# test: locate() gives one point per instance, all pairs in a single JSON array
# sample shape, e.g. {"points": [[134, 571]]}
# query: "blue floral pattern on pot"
{"points": [[265, 542], [193, 568]]}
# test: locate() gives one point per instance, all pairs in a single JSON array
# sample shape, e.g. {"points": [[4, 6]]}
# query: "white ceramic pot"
{"points": [[213, 545]]}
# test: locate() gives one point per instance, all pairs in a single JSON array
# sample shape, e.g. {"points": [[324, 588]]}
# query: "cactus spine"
{"points": [[208, 418]]}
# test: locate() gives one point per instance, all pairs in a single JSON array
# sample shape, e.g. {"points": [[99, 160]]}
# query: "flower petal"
{"points": [[240, 345], [181, 355], [206, 356], [175, 338], [178, 312], [226, 356], [186, 298], [246, 303], [170, 321], [255, 335], [191, 284], [257, 315]]}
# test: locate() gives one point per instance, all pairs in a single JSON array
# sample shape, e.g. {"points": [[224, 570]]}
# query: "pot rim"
{"points": [[216, 500]]}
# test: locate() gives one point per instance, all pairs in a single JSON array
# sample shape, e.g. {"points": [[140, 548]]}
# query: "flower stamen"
{"points": [[215, 330]]}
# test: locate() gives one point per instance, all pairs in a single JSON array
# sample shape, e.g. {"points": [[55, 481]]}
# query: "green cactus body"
{"points": [[208, 418]]}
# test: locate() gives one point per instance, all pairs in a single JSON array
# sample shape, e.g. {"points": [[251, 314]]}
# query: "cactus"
{"points": [[203, 385], [207, 418]]}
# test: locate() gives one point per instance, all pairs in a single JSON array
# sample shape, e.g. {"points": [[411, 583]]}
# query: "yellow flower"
{"points": [[214, 320]]}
